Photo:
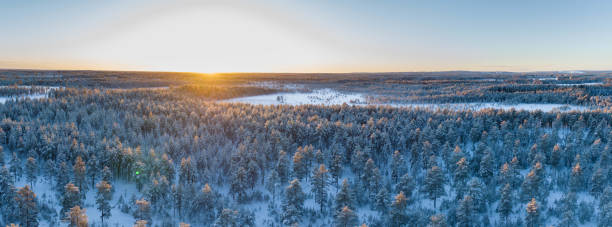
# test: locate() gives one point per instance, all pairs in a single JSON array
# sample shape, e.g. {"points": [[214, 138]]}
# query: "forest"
{"points": [[91, 154]]}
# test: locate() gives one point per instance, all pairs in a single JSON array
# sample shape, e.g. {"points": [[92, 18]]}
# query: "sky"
{"points": [[306, 36]]}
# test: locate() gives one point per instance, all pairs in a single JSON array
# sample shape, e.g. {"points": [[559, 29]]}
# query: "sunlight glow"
{"points": [[208, 41]]}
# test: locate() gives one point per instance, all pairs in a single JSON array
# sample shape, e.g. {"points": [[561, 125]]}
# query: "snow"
{"points": [[4, 99], [585, 84], [317, 97], [332, 97], [44, 189]]}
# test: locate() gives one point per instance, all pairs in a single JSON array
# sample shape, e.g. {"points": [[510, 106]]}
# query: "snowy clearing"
{"points": [[332, 97]]}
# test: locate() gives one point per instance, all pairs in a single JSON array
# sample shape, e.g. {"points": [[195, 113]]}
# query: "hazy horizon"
{"points": [[306, 37]]}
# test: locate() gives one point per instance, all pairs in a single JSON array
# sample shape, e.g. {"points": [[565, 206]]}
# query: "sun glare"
{"points": [[208, 41]]}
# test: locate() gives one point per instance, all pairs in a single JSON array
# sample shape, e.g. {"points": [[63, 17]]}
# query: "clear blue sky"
{"points": [[306, 36]]}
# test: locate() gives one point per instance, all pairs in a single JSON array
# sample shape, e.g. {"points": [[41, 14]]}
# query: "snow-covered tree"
{"points": [[27, 206], [319, 185], [434, 184], [31, 171], [293, 205], [346, 218], [104, 196]]}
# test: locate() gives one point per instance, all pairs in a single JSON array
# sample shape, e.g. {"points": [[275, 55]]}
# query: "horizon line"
{"points": [[355, 72]]}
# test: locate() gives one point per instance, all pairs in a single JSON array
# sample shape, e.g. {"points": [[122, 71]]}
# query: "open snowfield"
{"points": [[333, 97]]}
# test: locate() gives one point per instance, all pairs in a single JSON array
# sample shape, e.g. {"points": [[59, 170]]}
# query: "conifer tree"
{"points": [[282, 167], [568, 210], [77, 217], [319, 184], [465, 212], [533, 214], [103, 198], [434, 184], [606, 215], [106, 174], [397, 166], [437, 221], [344, 196], [143, 210], [27, 206], [71, 198], [346, 218], [598, 182], [405, 185], [336, 168], [381, 203], [31, 169], [8, 206], [398, 210], [299, 165], [293, 206], [79, 174], [505, 203], [15, 168]]}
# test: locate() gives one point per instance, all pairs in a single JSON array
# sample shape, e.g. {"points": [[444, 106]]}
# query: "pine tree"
{"points": [[576, 179], [141, 223], [282, 167], [397, 166], [205, 204], [486, 168], [299, 165], [227, 217], [1, 154], [77, 217], [405, 185], [346, 218], [319, 184], [398, 210], [533, 214], [533, 183], [437, 221], [31, 169], [434, 184], [103, 198], [336, 169], [143, 210], [50, 170], [187, 171], [27, 206], [460, 177], [293, 206], [505, 203], [92, 169], [15, 168], [381, 203], [606, 197], [605, 220], [465, 212], [8, 206], [272, 184], [62, 178], [79, 174], [476, 191], [568, 210], [106, 174], [343, 197], [598, 182], [239, 183], [71, 198]]}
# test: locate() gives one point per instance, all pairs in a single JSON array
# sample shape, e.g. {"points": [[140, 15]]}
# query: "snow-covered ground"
{"points": [[578, 84], [317, 97], [44, 94], [44, 191], [333, 97]]}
